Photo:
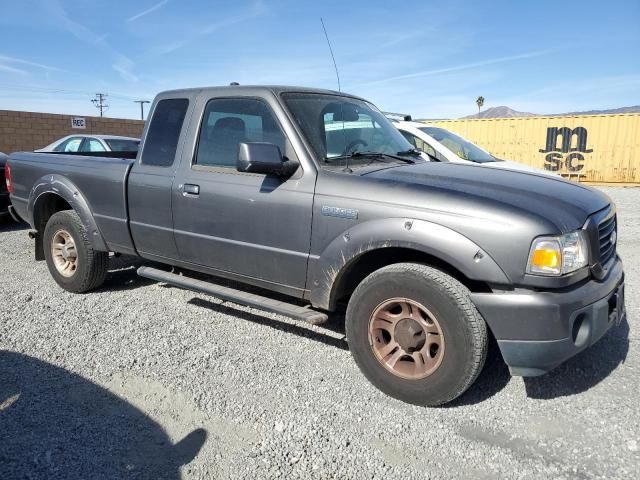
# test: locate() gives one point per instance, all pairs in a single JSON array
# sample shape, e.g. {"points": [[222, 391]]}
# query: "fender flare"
{"points": [[420, 235], [67, 190]]}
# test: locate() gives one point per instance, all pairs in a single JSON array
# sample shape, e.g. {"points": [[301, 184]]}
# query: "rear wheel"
{"points": [[72, 261], [415, 334]]}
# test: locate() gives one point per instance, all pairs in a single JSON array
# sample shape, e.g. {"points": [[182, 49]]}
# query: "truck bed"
{"points": [[102, 186]]}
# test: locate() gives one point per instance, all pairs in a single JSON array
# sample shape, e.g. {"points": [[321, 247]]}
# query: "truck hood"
{"points": [[565, 204]]}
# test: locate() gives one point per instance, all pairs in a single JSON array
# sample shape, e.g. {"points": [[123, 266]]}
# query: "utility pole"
{"points": [[141, 102], [99, 102]]}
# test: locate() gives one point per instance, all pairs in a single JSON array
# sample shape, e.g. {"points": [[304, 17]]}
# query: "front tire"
{"points": [[72, 261], [415, 334]]}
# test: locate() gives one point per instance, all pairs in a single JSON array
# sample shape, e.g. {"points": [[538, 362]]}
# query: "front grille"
{"points": [[608, 232]]}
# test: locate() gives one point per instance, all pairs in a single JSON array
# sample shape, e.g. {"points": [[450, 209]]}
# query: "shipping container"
{"points": [[585, 148]]}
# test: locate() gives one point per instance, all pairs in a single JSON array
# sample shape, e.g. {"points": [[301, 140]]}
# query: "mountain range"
{"points": [[506, 112]]}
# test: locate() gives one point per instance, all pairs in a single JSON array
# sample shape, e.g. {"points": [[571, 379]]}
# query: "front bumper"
{"points": [[537, 331]]}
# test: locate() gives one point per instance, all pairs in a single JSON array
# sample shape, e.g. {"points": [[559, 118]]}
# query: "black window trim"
{"points": [[82, 143], [87, 139], [405, 133]]}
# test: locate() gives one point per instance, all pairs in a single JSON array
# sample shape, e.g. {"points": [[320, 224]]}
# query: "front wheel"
{"points": [[415, 334], [72, 261]]}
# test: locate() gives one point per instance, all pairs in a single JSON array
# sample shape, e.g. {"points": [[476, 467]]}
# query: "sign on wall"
{"points": [[78, 122]]}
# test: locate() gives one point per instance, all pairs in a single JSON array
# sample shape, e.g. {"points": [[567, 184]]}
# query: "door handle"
{"points": [[190, 189]]}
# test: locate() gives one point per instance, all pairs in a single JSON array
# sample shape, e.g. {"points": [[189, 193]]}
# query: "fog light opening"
{"points": [[613, 304], [580, 330]]}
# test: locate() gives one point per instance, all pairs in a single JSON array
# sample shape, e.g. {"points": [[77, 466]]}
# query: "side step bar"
{"points": [[237, 296]]}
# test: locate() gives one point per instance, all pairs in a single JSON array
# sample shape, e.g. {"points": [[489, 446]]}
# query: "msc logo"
{"points": [[574, 160]]}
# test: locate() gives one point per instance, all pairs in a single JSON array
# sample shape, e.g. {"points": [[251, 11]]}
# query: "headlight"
{"points": [[558, 255]]}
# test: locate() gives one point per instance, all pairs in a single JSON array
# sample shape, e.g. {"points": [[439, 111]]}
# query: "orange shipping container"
{"points": [[586, 148]]}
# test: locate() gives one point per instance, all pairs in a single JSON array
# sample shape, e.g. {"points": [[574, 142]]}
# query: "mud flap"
{"points": [[39, 245]]}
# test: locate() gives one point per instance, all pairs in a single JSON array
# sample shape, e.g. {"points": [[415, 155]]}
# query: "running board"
{"points": [[237, 296]]}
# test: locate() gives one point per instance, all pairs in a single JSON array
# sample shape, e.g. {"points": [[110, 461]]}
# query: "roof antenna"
{"points": [[332, 56], [335, 66]]}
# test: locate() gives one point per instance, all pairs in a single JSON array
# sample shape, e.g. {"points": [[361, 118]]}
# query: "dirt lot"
{"points": [[138, 380]]}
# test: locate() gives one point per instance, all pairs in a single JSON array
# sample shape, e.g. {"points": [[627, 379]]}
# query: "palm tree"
{"points": [[480, 102]]}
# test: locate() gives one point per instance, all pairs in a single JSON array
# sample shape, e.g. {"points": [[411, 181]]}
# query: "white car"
{"points": [[93, 143], [445, 146]]}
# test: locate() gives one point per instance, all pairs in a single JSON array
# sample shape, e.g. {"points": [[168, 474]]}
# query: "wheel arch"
{"points": [[53, 194], [363, 249]]}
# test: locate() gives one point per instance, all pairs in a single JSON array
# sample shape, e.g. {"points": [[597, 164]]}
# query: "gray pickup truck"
{"points": [[315, 195]]}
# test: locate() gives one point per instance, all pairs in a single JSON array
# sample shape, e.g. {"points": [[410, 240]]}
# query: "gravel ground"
{"points": [[139, 380]]}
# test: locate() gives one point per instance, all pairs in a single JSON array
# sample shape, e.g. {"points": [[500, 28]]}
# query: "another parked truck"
{"points": [[315, 195]]}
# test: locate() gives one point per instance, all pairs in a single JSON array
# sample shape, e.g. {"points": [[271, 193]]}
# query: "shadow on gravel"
{"points": [[585, 370], [493, 378], [123, 274], [8, 225], [56, 424], [333, 324]]}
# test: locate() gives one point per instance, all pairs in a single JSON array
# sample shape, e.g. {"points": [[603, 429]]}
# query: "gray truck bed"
{"points": [[103, 185]]}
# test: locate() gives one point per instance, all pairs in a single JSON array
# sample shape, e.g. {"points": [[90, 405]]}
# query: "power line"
{"points": [[29, 88], [50, 92], [141, 102], [99, 102]]}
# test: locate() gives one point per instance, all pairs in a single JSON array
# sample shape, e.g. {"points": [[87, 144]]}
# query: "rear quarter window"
{"points": [[164, 131]]}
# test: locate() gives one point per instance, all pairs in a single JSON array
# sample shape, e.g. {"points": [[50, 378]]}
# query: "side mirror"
{"points": [[261, 157]]}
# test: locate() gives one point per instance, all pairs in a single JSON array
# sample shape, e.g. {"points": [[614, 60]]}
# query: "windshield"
{"points": [[461, 147], [337, 127], [121, 145]]}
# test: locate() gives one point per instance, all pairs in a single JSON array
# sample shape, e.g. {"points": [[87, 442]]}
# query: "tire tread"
{"points": [[461, 295], [97, 262]]}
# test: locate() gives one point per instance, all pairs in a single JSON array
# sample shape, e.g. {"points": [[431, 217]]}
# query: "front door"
{"points": [[252, 225]]}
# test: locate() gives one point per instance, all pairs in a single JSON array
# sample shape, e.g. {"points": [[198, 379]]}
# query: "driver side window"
{"points": [[227, 122]]}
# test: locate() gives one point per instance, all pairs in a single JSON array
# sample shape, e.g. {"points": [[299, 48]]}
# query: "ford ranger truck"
{"points": [[313, 195]]}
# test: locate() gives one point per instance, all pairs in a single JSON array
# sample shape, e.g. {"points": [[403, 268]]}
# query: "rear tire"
{"points": [[72, 261], [415, 334]]}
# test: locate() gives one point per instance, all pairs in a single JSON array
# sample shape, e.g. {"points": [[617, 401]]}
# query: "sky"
{"points": [[431, 59]]}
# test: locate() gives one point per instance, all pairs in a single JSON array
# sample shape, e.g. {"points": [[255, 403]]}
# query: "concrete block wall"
{"points": [[26, 131]]}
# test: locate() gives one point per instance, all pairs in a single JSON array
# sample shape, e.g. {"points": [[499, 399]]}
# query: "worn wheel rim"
{"points": [[406, 338], [64, 253]]}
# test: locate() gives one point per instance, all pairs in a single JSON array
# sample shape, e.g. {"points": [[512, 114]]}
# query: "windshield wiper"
{"points": [[372, 155], [415, 151], [411, 151]]}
